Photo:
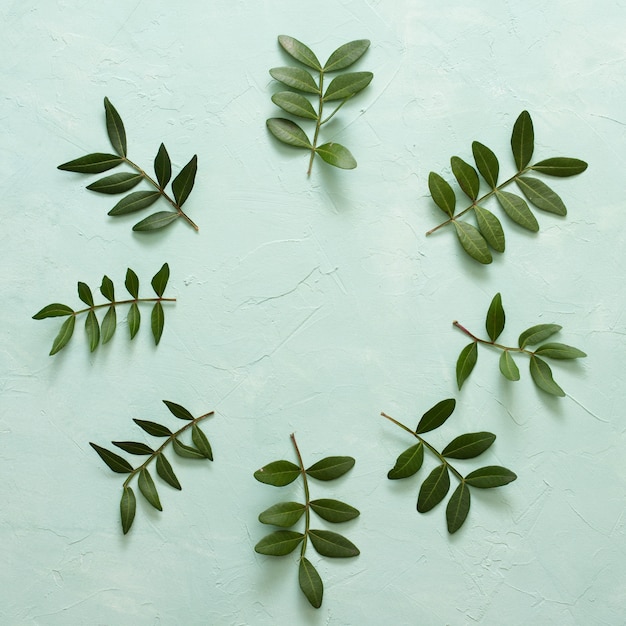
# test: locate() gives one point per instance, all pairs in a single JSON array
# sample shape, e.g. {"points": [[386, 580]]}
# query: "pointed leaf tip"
{"points": [[523, 140], [336, 155], [184, 182], [331, 467], [115, 128], [495, 318], [466, 362], [436, 416], [310, 583]]}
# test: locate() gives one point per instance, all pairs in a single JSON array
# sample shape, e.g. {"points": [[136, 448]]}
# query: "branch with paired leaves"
{"points": [[286, 514], [340, 89], [437, 484], [98, 162], [200, 449], [102, 333], [488, 234], [539, 370]]}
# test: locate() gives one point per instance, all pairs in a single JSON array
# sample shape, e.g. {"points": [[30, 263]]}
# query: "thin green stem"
{"points": [[493, 344], [133, 301], [318, 122], [307, 497], [335, 111]]}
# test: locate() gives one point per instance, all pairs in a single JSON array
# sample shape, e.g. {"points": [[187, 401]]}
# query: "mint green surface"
{"points": [[309, 306]]}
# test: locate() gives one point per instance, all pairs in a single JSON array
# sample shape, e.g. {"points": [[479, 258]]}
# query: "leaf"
{"points": [[347, 85], [178, 411], [283, 514], [490, 228], [109, 323], [65, 334], [165, 471], [466, 176], [542, 376], [508, 366], [279, 543], [92, 329], [337, 155], [299, 51], [458, 507], [128, 505], [157, 322], [495, 318], [310, 582], [115, 462], [135, 201], [94, 163], [152, 428], [134, 447], [115, 128], [560, 166], [537, 334], [333, 510], [331, 544], [331, 467], [84, 293], [156, 221], [469, 445], [148, 489], [346, 55], [408, 463], [163, 166], [442, 193], [116, 183], [107, 288], [517, 209], [295, 104], [436, 416], [278, 473], [541, 195], [186, 451], [53, 310], [295, 77], [465, 363], [159, 280], [473, 242], [486, 162], [133, 319], [183, 183], [201, 442], [523, 140], [433, 489], [132, 283], [559, 351], [288, 132], [490, 476]]}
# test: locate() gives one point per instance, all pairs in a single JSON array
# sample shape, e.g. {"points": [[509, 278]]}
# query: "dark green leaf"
{"points": [[152, 428], [107, 289], [283, 514], [465, 363], [337, 155], [295, 104], [331, 544], [490, 228], [537, 334], [559, 351], [65, 334], [165, 471], [333, 510], [178, 411], [201, 442], [466, 176], [486, 162], [115, 128], [458, 507], [94, 163], [92, 328], [114, 461], [346, 55], [508, 366], [433, 489], [523, 140], [299, 51], [183, 183], [134, 447], [347, 85], [469, 445], [295, 77], [53, 310], [473, 242], [517, 209], [163, 166], [436, 416], [156, 221], [408, 463], [278, 473], [331, 467], [132, 283], [109, 323], [133, 319], [541, 195], [279, 543], [489, 477], [186, 451], [128, 505], [148, 489], [159, 280], [116, 183], [560, 166], [157, 321], [495, 318], [442, 194], [135, 201], [84, 293], [310, 582], [288, 132], [542, 377]]}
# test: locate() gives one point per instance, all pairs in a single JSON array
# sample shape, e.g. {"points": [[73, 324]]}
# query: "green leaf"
{"points": [[333, 510], [473, 242], [92, 329], [165, 471], [283, 514], [508, 366], [109, 323], [523, 140], [486, 162], [115, 128], [495, 318], [295, 104], [346, 55], [458, 507], [115, 462], [559, 351], [490, 228], [53, 310], [94, 163], [186, 451], [310, 582], [537, 334], [517, 209], [469, 445], [148, 489], [133, 319], [178, 411], [162, 166], [299, 51], [436, 416], [152, 428], [135, 201], [132, 283], [107, 288], [201, 442], [279, 543], [466, 176], [156, 221], [347, 85], [442, 193], [433, 489], [337, 155], [560, 166], [542, 376], [331, 467], [134, 447], [331, 544], [489, 477], [84, 293], [278, 473], [408, 463], [157, 321], [183, 183], [65, 334], [541, 195], [116, 183], [159, 280], [288, 132], [295, 77], [465, 363], [128, 505]]}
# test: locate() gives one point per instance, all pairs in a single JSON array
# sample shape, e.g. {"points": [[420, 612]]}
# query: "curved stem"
{"points": [[307, 508], [493, 344], [318, 122], [133, 301]]}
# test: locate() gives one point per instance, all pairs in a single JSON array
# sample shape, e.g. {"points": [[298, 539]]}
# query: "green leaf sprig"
{"points": [[199, 450], [488, 234], [287, 514], [540, 371], [98, 162], [437, 484], [340, 89], [101, 333]]}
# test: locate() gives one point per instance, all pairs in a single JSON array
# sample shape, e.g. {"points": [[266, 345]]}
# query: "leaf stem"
{"points": [[307, 497], [318, 122], [335, 111], [133, 301], [490, 343]]}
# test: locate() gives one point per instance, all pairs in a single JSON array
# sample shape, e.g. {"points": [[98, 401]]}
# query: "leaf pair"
{"points": [[340, 89], [101, 333]]}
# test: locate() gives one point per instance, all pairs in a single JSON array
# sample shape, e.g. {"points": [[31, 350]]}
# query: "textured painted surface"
{"points": [[310, 306]]}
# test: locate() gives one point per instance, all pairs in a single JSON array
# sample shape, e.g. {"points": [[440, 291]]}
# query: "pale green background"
{"points": [[310, 305]]}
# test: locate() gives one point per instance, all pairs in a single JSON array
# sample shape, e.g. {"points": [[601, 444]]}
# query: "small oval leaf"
{"points": [[65, 334], [495, 318], [487, 163], [53, 310], [332, 544], [299, 51], [178, 411], [295, 77], [458, 508], [559, 351], [541, 195], [523, 140], [201, 442], [337, 155], [436, 416], [346, 55], [148, 489], [466, 176], [157, 321], [542, 377], [135, 201], [517, 209], [333, 510], [283, 514], [128, 505], [165, 471], [107, 288], [278, 473], [295, 104], [331, 467], [473, 242], [347, 85], [134, 447], [408, 463], [184, 182], [560, 166], [109, 323], [279, 543], [94, 163], [288, 132], [433, 489], [84, 293], [310, 583], [115, 128], [490, 477], [156, 221], [537, 334], [152, 428], [508, 367], [133, 319], [466, 362], [442, 194], [159, 280], [92, 328], [163, 166], [116, 183], [469, 445], [132, 283], [115, 462], [490, 228], [186, 451]]}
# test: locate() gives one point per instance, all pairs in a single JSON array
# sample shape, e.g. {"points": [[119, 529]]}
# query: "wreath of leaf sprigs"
{"points": [[341, 88], [101, 333], [488, 232], [98, 162], [286, 514], [539, 370], [199, 450], [437, 484]]}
